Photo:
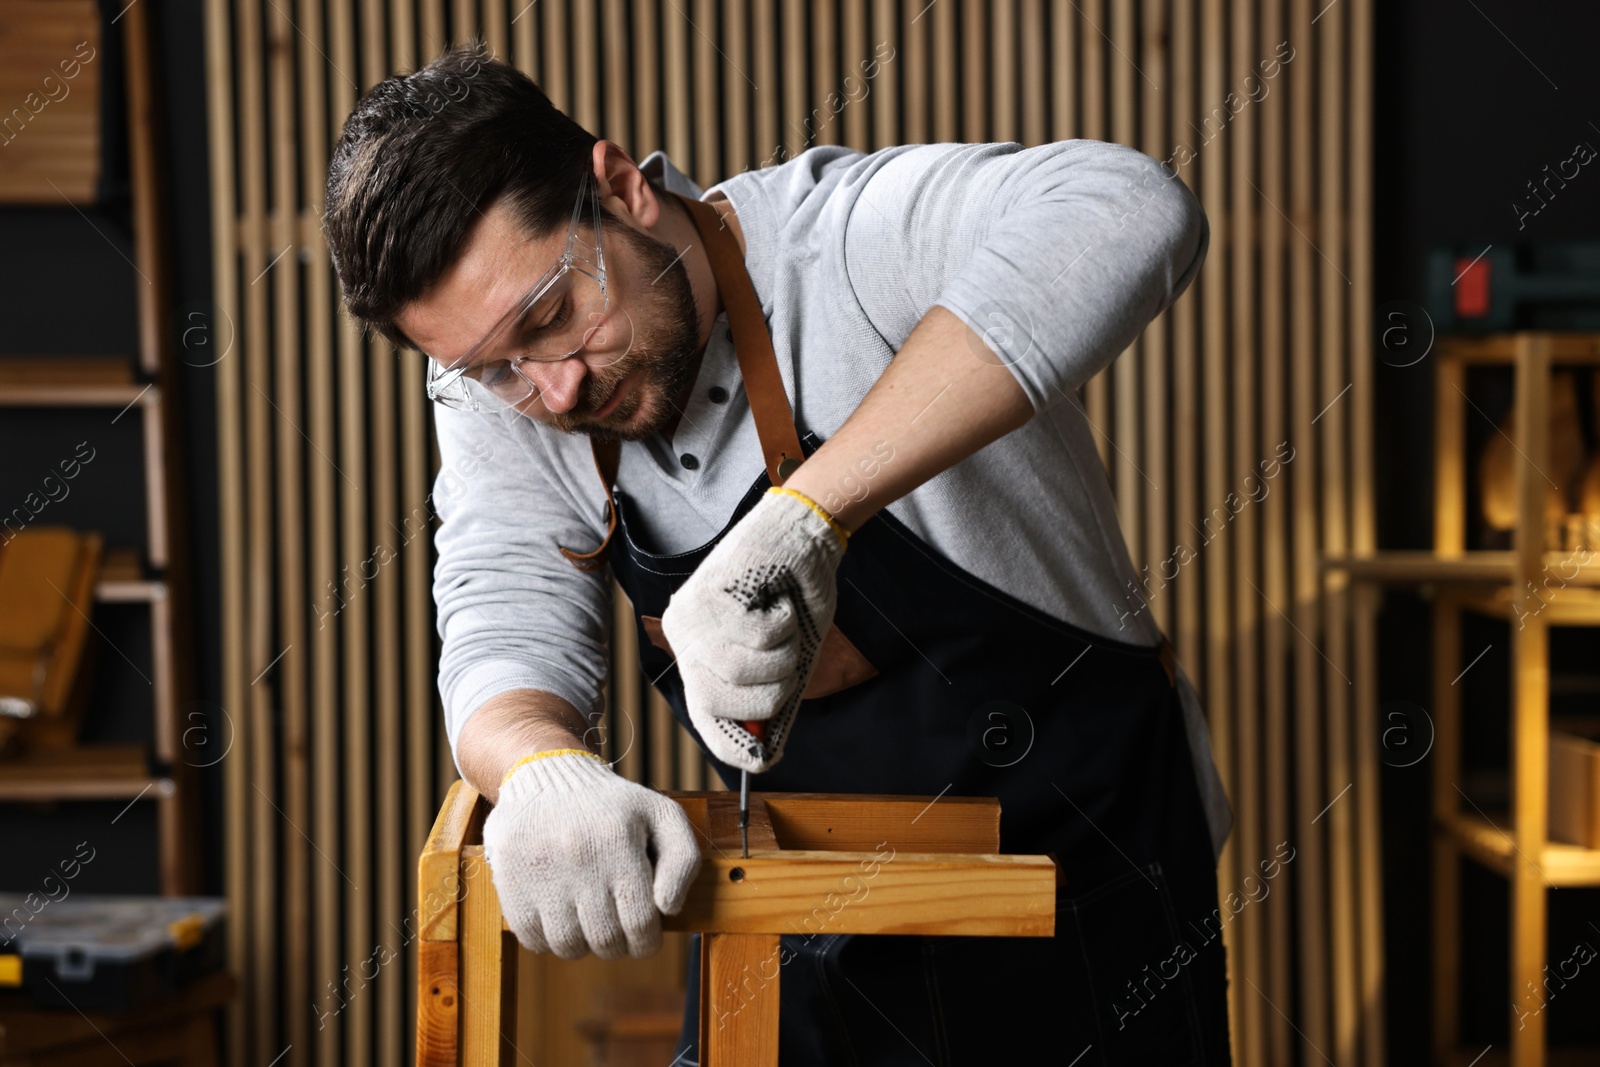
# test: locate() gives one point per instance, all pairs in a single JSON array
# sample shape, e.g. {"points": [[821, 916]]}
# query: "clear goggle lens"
{"points": [[568, 317]]}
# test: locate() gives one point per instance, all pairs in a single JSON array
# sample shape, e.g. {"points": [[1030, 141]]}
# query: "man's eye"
{"points": [[495, 373], [559, 320]]}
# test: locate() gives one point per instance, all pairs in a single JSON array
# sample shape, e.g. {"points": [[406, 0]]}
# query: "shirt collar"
{"points": [[656, 165]]}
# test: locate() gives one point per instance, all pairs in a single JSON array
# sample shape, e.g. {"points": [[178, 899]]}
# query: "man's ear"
{"points": [[624, 190]]}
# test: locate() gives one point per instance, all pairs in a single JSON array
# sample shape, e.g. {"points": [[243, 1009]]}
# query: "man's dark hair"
{"points": [[422, 156]]}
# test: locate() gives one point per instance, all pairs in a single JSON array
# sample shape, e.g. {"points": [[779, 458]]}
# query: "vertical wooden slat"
{"points": [[1036, 85], [1129, 474], [854, 114], [974, 87], [766, 104], [1221, 596], [524, 30], [1064, 121], [1242, 540], [704, 63], [1274, 541], [413, 537], [386, 707], [1331, 452], [1155, 486], [225, 245], [1185, 356], [625, 729], [618, 123], [884, 86], [678, 140], [795, 106], [691, 764], [647, 60], [495, 30], [1000, 65], [1092, 125], [421, 800], [553, 65], [737, 90], [289, 678], [434, 38], [1530, 708], [1311, 794], [1446, 904], [820, 124], [355, 629], [660, 729], [336, 74], [1364, 534], [913, 57], [946, 107], [585, 109], [382, 709], [262, 983]]}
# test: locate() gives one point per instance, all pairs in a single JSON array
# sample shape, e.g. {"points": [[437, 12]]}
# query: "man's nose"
{"points": [[558, 383]]}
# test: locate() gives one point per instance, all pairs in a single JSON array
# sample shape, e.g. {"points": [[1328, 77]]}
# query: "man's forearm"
{"points": [[513, 725], [944, 396]]}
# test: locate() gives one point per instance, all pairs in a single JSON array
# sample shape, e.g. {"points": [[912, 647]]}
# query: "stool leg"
{"points": [[488, 1001], [739, 1000]]}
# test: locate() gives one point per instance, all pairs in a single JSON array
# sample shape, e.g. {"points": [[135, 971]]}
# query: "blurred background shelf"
{"points": [[92, 772]]}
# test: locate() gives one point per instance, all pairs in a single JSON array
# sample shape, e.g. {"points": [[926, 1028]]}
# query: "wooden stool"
{"points": [[180, 1030], [870, 864]]}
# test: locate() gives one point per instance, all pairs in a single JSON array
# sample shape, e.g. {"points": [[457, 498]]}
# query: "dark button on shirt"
{"points": [[689, 461]]}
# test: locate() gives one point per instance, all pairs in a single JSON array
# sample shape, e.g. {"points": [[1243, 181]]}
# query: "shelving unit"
{"points": [[1514, 586], [138, 386]]}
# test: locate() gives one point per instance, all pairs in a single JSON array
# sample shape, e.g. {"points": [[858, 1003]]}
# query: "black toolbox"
{"points": [[111, 954]]}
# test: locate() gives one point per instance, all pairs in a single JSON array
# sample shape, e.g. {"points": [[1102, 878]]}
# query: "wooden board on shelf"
{"points": [[70, 381], [1579, 567], [90, 772], [1489, 842], [50, 63], [1501, 347], [1558, 605]]}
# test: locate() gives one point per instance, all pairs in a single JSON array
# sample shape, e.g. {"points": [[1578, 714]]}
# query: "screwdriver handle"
{"points": [[758, 728]]}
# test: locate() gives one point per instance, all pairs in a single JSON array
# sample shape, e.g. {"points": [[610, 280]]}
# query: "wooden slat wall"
{"points": [[330, 654]]}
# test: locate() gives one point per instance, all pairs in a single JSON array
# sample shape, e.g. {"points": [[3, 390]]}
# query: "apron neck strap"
{"points": [[752, 344], [758, 366]]}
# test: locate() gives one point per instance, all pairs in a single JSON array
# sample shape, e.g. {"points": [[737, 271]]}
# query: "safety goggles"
{"points": [[558, 317]]}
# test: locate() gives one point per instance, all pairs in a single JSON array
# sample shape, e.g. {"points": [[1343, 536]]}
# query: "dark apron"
{"points": [[975, 694]]}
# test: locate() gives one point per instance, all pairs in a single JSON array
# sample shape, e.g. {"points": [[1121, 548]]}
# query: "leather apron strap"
{"points": [[758, 366]]}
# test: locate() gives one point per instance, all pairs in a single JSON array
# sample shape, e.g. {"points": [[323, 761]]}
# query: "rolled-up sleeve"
{"points": [[512, 612], [1056, 256]]}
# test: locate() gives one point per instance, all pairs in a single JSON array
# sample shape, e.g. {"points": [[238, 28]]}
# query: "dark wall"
{"points": [[1473, 100]]}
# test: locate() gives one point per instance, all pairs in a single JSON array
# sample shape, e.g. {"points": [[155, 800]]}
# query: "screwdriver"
{"points": [[758, 730]]}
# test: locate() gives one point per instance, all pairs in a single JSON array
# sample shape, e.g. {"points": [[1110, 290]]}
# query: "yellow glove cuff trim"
{"points": [[545, 755], [833, 524]]}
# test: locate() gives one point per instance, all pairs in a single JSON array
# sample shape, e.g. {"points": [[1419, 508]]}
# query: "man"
{"points": [[847, 486]]}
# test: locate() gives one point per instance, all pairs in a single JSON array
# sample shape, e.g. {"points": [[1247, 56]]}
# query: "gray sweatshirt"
{"points": [[1057, 256]]}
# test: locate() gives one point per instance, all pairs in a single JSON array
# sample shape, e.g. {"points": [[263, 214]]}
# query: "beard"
{"points": [[660, 360]]}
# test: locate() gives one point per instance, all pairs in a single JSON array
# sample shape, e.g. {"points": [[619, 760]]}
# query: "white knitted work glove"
{"points": [[566, 845], [746, 625]]}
